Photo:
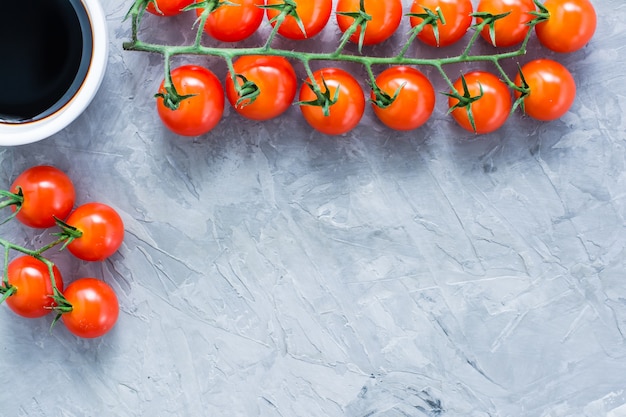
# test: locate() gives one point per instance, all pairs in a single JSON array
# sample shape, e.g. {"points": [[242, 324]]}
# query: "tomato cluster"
{"points": [[191, 98], [32, 286]]}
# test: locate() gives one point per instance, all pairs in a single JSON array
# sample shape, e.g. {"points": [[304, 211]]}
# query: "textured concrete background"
{"points": [[271, 271]]}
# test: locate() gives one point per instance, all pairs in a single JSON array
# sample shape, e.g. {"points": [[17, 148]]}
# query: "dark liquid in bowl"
{"points": [[45, 48]]}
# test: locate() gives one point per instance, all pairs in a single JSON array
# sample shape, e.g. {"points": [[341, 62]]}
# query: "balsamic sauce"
{"points": [[45, 49]]}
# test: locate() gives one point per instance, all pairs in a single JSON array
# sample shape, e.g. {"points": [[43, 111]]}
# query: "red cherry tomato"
{"points": [[102, 232], [511, 29], [199, 113], [415, 100], [274, 77], [345, 113], [552, 89], [386, 16], [458, 17], [314, 15], [167, 7], [95, 308], [33, 286], [490, 111], [47, 192], [571, 25], [234, 22]]}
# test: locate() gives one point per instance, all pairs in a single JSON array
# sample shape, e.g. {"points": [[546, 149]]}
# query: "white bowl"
{"points": [[20, 133]]}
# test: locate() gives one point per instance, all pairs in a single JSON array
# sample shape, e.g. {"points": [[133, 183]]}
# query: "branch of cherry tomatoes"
{"points": [[32, 286], [261, 83]]}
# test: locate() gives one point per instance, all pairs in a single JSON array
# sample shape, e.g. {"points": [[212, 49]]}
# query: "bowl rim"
{"points": [[13, 134]]}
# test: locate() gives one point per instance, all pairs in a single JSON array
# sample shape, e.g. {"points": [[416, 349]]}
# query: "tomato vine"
{"points": [[31, 284], [433, 19]]}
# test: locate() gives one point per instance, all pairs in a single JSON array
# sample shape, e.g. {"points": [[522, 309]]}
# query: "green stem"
{"points": [[7, 289], [416, 30]]}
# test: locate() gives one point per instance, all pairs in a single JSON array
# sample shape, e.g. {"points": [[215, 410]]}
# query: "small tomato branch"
{"points": [[288, 8]]}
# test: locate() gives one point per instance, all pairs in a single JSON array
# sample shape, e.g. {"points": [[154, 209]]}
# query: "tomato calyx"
{"points": [[209, 6], [524, 90], [541, 15], [171, 98], [361, 17], [286, 8], [248, 91], [11, 199], [489, 19], [62, 306], [465, 100], [429, 17], [67, 234], [382, 99], [322, 98]]}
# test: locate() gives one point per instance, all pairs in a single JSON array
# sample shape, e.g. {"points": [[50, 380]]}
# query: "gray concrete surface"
{"points": [[271, 271]]}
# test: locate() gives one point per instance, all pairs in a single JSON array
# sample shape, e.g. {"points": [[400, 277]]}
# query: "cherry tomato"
{"points": [[345, 113], [167, 7], [552, 89], [199, 113], [274, 77], [234, 22], [457, 15], [511, 29], [31, 279], [47, 193], [571, 25], [102, 231], [414, 102], [386, 16], [490, 111], [95, 308], [314, 15]]}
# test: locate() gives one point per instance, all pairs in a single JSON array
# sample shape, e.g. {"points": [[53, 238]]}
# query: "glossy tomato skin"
{"points": [[102, 231], [386, 16], [512, 29], [345, 113], [47, 193], [95, 308], [234, 22], [570, 27], [167, 7], [414, 103], [33, 284], [552, 89], [458, 17], [491, 110], [314, 15], [200, 113], [277, 83]]}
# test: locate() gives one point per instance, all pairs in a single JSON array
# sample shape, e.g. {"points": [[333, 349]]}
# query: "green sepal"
{"points": [[11, 199], [429, 18], [248, 91], [465, 101], [171, 98], [490, 20], [542, 15], [524, 90], [322, 98], [286, 8], [67, 231], [360, 20], [210, 5], [382, 99]]}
